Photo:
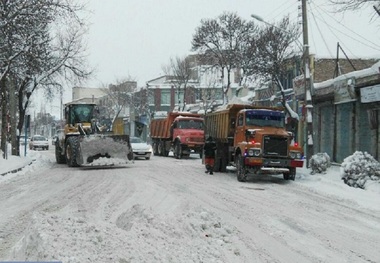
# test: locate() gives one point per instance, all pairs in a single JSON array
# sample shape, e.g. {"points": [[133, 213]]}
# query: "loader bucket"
{"points": [[106, 150]]}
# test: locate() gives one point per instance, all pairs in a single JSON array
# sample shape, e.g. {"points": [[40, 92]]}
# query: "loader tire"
{"points": [[59, 157], [72, 151]]}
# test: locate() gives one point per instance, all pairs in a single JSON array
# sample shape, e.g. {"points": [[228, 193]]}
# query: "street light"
{"points": [[260, 19], [308, 130]]}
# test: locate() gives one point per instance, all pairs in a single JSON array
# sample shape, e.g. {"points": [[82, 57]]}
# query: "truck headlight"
{"points": [[295, 155], [254, 152]]}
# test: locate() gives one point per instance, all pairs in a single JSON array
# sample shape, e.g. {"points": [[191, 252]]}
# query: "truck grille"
{"points": [[275, 146], [196, 139]]}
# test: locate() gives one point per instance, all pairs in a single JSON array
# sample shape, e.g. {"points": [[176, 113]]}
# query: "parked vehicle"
{"points": [[140, 148], [38, 142], [253, 139], [84, 140], [180, 132]]}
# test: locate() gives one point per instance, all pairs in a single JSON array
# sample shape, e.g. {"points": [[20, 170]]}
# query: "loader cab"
{"points": [[79, 113]]}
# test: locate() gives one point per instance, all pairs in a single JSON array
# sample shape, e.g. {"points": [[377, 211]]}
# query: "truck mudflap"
{"points": [[104, 150]]}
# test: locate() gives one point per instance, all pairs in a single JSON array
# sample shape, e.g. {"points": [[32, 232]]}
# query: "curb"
{"points": [[16, 169]]}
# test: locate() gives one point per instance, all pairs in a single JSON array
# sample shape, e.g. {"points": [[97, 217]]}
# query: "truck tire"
{"points": [[59, 157], [72, 151], [177, 150], [161, 148], [155, 148], [240, 169], [217, 164], [291, 175]]}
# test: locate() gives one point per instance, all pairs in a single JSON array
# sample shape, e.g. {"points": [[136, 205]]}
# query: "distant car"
{"points": [[140, 148], [38, 142]]}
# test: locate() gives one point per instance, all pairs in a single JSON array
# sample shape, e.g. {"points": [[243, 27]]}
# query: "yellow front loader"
{"points": [[88, 140]]}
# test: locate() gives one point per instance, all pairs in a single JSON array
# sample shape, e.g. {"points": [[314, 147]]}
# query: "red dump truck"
{"points": [[180, 132], [254, 140]]}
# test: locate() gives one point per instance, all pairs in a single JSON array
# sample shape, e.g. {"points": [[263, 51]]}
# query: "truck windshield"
{"points": [[265, 118], [190, 124]]}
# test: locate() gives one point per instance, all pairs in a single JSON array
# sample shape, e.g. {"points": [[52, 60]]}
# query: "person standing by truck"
{"points": [[209, 152]]}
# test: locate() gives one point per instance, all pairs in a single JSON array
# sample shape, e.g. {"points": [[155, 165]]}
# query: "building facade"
{"points": [[346, 114]]}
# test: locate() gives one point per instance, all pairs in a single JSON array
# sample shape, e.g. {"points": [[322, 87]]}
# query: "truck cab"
{"points": [[254, 139]]}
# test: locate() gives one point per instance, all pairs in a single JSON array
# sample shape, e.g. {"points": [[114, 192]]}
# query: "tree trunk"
{"points": [[4, 121], [12, 118]]}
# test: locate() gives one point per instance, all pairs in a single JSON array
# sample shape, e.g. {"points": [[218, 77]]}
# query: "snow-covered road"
{"points": [[169, 210]]}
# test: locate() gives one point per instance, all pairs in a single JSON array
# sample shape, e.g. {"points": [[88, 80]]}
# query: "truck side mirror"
{"points": [[249, 134], [232, 124]]}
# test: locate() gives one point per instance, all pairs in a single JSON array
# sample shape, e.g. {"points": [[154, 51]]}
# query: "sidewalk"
{"points": [[13, 163]]}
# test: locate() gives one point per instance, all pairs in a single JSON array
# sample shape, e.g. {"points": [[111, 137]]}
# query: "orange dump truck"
{"points": [[253, 139], [180, 132]]}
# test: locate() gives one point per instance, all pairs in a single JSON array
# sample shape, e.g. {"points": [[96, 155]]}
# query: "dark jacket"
{"points": [[209, 148]]}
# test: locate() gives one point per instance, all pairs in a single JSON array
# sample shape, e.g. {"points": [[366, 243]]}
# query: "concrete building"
{"points": [[346, 114]]}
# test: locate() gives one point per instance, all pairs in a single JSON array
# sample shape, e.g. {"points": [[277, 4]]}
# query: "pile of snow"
{"points": [[319, 163], [360, 169], [138, 235], [104, 145]]}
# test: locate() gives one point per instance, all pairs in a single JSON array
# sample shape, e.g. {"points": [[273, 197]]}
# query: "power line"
{"points": [[362, 40]]}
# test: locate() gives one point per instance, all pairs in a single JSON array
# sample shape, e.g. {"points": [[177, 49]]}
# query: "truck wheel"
{"points": [[177, 150], [155, 148], [58, 155], [159, 152], [291, 175], [161, 149], [241, 173], [72, 151]]}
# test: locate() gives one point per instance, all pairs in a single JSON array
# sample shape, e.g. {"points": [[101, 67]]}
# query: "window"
{"points": [[190, 124], [265, 118], [178, 97], [240, 120], [165, 97]]}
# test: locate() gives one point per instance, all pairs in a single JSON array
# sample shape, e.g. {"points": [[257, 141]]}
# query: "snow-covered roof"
{"points": [[373, 70]]}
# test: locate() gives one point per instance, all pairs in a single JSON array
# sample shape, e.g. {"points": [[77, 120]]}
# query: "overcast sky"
{"points": [[136, 37]]}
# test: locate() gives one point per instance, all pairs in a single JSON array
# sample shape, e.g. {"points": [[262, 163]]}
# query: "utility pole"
{"points": [[308, 121]]}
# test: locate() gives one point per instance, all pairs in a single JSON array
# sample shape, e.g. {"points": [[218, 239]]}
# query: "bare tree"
{"points": [[41, 48], [345, 5], [221, 40], [179, 71], [119, 97], [267, 54], [353, 4]]}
